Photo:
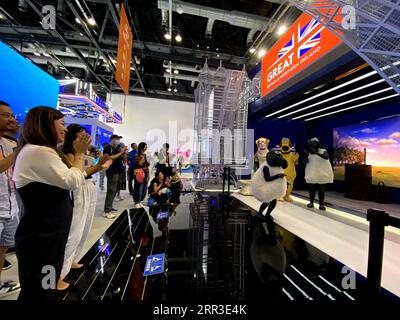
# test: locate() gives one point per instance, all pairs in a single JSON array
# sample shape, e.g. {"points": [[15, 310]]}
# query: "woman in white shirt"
{"points": [[85, 198], [44, 178]]}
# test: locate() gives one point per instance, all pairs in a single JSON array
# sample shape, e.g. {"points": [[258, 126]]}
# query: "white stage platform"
{"points": [[340, 235], [361, 207]]}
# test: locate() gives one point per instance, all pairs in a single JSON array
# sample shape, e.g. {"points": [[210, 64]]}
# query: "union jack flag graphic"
{"points": [[307, 37], [287, 48], [313, 38]]}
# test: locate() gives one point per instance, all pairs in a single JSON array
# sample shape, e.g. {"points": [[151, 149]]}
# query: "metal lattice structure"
{"points": [[370, 27], [220, 123]]}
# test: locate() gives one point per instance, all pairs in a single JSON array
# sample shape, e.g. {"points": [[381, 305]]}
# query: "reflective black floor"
{"points": [[215, 249]]}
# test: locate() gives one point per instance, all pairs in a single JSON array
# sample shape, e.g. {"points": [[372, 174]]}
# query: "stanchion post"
{"points": [[378, 219]]}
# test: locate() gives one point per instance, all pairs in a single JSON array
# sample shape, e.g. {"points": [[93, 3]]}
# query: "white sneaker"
{"points": [[109, 215], [9, 287]]}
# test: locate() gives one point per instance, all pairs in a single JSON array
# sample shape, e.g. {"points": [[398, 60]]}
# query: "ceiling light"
{"points": [[169, 89], [67, 77], [178, 38], [91, 21], [323, 93], [175, 90], [281, 30], [217, 55], [353, 107], [342, 103], [77, 20], [81, 34], [167, 36], [198, 46], [175, 82], [2, 17], [208, 47], [46, 54], [252, 50], [37, 54], [176, 71], [261, 53], [217, 49], [168, 70]]}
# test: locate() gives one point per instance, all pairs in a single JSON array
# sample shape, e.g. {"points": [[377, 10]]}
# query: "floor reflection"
{"points": [[215, 249]]}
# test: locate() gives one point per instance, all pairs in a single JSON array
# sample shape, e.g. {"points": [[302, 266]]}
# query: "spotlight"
{"points": [[261, 53], [175, 82], [217, 55], [179, 9], [281, 30], [22, 6], [168, 70], [37, 54], [2, 17], [46, 54], [81, 34], [252, 50], [91, 21], [176, 71], [167, 36], [77, 20], [175, 90], [178, 38], [169, 89], [67, 77]]}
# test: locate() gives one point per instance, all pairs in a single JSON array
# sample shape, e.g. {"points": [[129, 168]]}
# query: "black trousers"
{"points": [[321, 192], [131, 177], [271, 206]]}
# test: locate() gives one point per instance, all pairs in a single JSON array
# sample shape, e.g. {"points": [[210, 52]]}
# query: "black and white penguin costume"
{"points": [[269, 182], [318, 171]]}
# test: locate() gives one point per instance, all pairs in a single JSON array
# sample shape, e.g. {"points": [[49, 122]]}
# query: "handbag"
{"points": [[139, 176]]}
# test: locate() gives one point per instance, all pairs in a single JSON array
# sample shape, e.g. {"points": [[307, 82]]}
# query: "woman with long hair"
{"points": [[85, 198], [141, 175], [44, 178]]}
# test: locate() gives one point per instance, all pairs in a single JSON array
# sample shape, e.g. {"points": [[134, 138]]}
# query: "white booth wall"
{"points": [[154, 121]]}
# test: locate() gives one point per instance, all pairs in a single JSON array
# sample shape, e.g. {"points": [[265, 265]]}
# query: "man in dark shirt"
{"points": [[113, 173]]}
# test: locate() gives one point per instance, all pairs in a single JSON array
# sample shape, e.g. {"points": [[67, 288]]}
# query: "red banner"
{"points": [[305, 42], [123, 72]]}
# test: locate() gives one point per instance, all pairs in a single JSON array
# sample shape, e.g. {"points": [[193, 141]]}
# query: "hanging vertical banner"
{"points": [[123, 72], [304, 43]]}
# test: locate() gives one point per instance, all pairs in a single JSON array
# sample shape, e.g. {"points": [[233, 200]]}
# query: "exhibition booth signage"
{"points": [[123, 68], [304, 43]]}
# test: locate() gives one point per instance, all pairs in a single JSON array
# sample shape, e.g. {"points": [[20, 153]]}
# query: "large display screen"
{"points": [[24, 85], [380, 140]]}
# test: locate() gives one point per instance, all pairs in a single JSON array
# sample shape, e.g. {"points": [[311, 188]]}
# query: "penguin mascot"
{"points": [[262, 150], [319, 171], [269, 184], [292, 158]]}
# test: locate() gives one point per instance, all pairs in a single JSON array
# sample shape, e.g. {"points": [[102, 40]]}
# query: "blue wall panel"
{"points": [[24, 85]]}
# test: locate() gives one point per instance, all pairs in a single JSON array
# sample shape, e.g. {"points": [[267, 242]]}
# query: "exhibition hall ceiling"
{"points": [[85, 41]]}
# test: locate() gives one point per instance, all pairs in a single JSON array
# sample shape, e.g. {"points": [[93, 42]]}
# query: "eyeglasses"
{"points": [[7, 115]]}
